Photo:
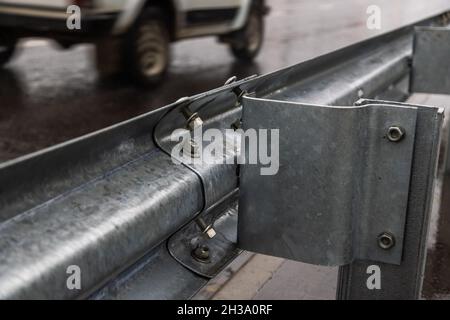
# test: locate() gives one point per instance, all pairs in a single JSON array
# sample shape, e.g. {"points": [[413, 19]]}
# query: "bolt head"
{"points": [[395, 133], [194, 123], [210, 232], [201, 254], [386, 241]]}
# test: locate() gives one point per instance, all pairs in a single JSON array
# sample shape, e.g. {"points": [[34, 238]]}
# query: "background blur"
{"points": [[49, 95]]}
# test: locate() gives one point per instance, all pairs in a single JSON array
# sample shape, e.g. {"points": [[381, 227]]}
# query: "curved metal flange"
{"points": [[208, 256], [342, 188]]}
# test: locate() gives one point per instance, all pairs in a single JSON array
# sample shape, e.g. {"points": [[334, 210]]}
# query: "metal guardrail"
{"points": [[114, 203]]}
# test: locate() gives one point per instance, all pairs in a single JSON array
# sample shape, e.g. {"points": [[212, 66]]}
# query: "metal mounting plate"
{"points": [[431, 63], [341, 182], [222, 247]]}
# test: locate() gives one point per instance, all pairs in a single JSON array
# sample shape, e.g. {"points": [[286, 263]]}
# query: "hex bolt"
{"points": [[386, 241], [191, 148], [208, 230], [193, 120], [395, 133], [201, 254], [360, 93], [230, 80]]}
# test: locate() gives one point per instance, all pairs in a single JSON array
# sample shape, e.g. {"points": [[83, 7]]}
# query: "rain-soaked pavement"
{"points": [[437, 277], [49, 95]]}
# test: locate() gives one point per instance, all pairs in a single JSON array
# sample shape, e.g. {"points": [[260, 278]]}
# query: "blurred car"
{"points": [[137, 32]]}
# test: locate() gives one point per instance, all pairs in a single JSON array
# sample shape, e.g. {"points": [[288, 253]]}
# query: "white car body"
{"points": [[133, 36], [128, 10]]}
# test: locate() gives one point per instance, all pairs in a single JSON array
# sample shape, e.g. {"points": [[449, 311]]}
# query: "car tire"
{"points": [[247, 42], [147, 49], [7, 48]]}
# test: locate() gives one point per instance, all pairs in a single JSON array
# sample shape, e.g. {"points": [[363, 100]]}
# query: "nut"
{"points": [[210, 232], [201, 254], [206, 229], [386, 241], [395, 133], [194, 122]]}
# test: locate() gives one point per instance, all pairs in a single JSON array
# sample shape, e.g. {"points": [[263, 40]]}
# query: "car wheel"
{"points": [[147, 49], [7, 48], [108, 58], [248, 41]]}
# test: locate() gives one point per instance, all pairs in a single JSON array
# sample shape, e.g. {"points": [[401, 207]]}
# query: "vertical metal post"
{"points": [[447, 151], [403, 281]]}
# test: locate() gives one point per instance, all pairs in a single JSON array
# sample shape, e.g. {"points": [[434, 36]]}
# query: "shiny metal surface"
{"points": [[187, 246], [405, 281], [430, 61], [341, 182], [101, 223]]}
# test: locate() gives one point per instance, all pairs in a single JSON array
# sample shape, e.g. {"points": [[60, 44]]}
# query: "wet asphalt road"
{"points": [[49, 95]]}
